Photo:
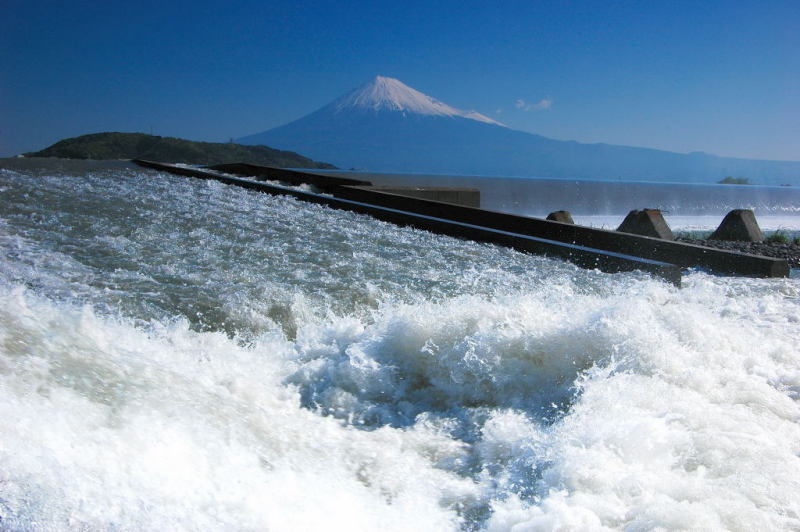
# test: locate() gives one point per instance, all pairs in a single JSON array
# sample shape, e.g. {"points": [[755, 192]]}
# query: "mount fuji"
{"points": [[387, 126]]}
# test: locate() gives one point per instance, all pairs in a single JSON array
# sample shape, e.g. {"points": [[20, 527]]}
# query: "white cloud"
{"points": [[541, 105]]}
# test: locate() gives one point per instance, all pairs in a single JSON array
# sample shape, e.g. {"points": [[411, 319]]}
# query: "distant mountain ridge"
{"points": [[387, 126], [171, 150]]}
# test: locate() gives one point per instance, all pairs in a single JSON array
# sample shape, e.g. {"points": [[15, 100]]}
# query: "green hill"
{"points": [[171, 150]]}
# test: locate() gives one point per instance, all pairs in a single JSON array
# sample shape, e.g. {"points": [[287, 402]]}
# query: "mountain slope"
{"points": [[385, 125], [169, 149]]}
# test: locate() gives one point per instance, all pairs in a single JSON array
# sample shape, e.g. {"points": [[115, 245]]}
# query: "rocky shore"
{"points": [[788, 251]]}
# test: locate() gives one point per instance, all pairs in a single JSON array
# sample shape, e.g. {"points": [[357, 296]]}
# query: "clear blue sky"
{"points": [[720, 77]]}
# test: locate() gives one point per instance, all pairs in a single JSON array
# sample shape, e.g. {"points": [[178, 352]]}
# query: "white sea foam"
{"points": [[182, 355], [695, 426], [106, 425]]}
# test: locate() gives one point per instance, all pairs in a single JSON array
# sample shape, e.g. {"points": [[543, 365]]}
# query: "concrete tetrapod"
{"points": [[646, 222], [561, 216], [739, 224]]}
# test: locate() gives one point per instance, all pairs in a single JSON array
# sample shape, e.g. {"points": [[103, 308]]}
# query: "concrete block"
{"points": [[646, 222], [739, 224], [561, 216]]}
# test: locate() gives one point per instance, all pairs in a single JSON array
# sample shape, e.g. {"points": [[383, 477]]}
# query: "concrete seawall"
{"points": [[470, 197], [588, 247], [680, 254], [387, 207]]}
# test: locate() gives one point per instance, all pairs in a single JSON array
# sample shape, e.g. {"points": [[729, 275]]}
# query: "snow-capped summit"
{"points": [[389, 94]]}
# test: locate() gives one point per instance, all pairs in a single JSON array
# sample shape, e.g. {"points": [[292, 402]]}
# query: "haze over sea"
{"points": [[179, 354]]}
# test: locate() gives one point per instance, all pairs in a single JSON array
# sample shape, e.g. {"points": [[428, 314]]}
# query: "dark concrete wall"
{"points": [[470, 197], [581, 255], [562, 237], [681, 254]]}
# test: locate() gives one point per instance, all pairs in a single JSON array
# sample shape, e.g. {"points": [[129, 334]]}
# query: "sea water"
{"points": [[177, 354], [604, 204]]}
